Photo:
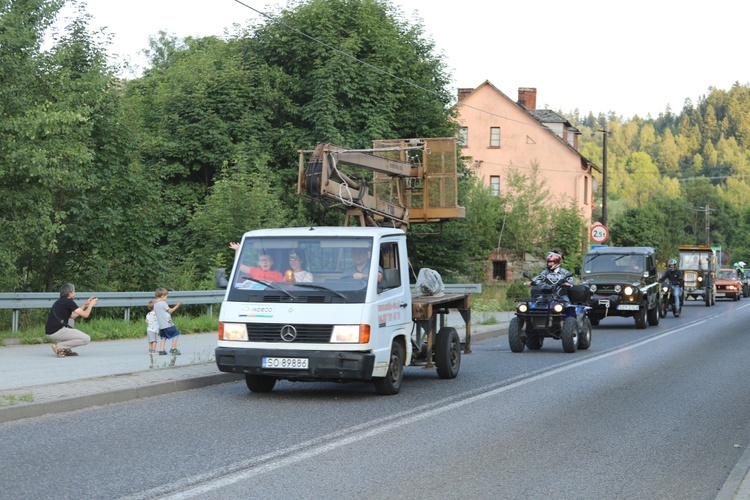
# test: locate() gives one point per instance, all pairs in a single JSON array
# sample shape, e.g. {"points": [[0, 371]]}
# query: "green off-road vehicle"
{"points": [[623, 282]]}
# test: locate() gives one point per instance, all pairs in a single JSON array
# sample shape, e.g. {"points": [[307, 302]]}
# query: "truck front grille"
{"points": [[264, 332]]}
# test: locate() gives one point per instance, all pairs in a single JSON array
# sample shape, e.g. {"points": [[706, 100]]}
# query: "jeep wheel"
{"points": [[534, 343], [391, 383], [448, 353], [259, 383], [569, 335], [640, 316], [516, 338], [653, 315], [584, 338]]}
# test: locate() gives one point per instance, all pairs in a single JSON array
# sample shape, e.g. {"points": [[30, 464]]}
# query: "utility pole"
{"points": [[708, 226], [604, 177]]}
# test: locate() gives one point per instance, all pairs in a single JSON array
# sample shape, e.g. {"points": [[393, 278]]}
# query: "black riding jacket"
{"points": [[674, 276]]}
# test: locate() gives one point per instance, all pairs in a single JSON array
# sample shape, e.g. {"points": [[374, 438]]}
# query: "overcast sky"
{"points": [[632, 57]]}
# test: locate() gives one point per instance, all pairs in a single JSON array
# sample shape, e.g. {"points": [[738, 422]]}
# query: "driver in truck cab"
{"points": [[360, 268]]}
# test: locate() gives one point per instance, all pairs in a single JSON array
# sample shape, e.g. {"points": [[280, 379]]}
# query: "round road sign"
{"points": [[599, 233]]}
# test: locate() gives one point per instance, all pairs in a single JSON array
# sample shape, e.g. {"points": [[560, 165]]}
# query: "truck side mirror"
{"points": [[220, 278]]}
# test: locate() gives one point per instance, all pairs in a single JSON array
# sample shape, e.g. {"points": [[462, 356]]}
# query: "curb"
{"points": [[21, 411]]}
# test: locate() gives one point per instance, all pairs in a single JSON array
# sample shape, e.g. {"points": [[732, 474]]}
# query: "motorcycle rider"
{"points": [[674, 276], [740, 267], [554, 274]]}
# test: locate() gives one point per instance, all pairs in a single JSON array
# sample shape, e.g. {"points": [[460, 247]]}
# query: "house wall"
{"points": [[523, 142]]}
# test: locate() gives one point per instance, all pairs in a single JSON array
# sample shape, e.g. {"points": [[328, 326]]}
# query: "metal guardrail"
{"points": [[20, 301]]}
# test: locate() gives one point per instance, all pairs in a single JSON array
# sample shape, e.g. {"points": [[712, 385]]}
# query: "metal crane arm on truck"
{"points": [[413, 181]]}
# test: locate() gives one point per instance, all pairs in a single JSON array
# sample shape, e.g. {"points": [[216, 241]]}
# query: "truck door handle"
{"points": [[403, 304]]}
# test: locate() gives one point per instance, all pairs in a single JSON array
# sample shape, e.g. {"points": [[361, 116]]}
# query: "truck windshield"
{"points": [[283, 268], [613, 263], [695, 261]]}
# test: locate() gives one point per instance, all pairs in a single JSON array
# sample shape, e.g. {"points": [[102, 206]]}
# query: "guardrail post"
{"points": [[15, 320]]}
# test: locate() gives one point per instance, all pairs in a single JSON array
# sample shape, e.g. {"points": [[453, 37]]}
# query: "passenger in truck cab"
{"points": [[360, 268], [263, 271]]}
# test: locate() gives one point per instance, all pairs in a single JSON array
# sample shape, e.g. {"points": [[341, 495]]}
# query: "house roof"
{"points": [[542, 116]]}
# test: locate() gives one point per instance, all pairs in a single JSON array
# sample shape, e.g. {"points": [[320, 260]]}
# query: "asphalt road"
{"points": [[657, 413]]}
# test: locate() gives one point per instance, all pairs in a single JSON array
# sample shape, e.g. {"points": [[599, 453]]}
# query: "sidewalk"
{"points": [[33, 382]]}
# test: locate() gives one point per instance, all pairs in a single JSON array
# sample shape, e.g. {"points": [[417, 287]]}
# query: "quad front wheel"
{"points": [[516, 338], [569, 335], [584, 338]]}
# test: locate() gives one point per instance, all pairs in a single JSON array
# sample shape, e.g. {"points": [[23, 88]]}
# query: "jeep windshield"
{"points": [[300, 269], [613, 263]]}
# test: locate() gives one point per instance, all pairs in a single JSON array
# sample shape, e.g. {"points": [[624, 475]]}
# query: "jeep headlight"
{"points": [[592, 288], [618, 288], [232, 331], [522, 308], [628, 290]]}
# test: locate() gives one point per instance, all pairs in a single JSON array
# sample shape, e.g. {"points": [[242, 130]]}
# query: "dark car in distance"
{"points": [[623, 282]]}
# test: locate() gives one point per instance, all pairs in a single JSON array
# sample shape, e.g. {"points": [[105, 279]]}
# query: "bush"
{"points": [[517, 291]]}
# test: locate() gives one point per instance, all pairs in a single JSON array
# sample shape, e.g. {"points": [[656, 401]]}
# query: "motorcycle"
{"points": [[548, 313], [666, 303]]}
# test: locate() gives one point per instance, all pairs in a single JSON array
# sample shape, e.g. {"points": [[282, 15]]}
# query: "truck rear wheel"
{"points": [[259, 383], [391, 383], [448, 352]]}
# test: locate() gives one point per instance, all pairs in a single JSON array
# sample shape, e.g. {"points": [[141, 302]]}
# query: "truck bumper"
{"points": [[322, 365]]}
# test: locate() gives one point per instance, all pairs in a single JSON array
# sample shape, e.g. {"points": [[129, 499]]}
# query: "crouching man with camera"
{"points": [[61, 319]]}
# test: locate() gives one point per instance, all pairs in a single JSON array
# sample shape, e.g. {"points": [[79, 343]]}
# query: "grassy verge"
{"points": [[114, 329]]}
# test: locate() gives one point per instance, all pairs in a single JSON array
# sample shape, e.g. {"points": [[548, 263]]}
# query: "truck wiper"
{"points": [[270, 285], [321, 287]]}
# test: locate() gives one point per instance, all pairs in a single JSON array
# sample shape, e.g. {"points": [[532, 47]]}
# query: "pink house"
{"points": [[497, 132]]}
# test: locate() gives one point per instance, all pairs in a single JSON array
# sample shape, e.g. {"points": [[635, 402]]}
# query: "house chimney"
{"points": [[527, 98], [462, 93]]}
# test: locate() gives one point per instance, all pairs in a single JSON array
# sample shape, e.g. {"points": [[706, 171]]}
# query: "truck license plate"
{"points": [[286, 363], [628, 307]]}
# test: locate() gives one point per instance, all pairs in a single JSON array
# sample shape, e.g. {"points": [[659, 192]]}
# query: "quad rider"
{"points": [[554, 274], [674, 276]]}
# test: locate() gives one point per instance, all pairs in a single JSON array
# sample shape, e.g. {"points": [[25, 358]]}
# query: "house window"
{"points": [[499, 269], [494, 137], [463, 136], [495, 185]]}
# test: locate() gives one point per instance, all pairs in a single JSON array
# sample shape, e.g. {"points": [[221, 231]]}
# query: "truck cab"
{"points": [[330, 323]]}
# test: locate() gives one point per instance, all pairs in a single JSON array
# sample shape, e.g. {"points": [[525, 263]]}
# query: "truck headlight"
{"points": [[232, 331], [350, 334]]}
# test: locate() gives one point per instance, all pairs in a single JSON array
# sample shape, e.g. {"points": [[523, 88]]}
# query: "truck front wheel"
{"points": [[448, 353], [391, 383], [259, 383]]}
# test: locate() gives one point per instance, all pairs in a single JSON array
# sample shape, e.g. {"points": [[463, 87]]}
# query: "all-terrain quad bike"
{"points": [[550, 314], [666, 303]]}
